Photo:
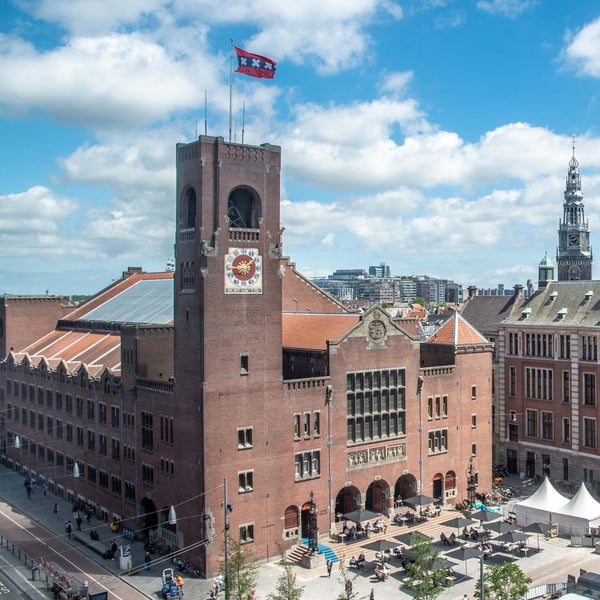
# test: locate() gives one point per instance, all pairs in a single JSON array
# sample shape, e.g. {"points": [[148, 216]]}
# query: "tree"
{"points": [[426, 574], [347, 580], [287, 588], [419, 300], [240, 573], [503, 582]]}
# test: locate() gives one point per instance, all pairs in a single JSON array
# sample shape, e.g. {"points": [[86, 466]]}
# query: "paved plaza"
{"points": [[552, 563]]}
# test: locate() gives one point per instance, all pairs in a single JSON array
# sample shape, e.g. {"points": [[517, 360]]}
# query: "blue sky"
{"points": [[432, 135]]}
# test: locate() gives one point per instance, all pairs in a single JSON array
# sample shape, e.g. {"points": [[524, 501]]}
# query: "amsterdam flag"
{"points": [[254, 65]]}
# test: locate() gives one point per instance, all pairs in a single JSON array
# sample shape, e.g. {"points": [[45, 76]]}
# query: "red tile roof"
{"points": [[311, 331], [457, 331]]}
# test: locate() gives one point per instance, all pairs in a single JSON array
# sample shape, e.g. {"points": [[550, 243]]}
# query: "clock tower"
{"points": [[574, 253], [228, 340]]}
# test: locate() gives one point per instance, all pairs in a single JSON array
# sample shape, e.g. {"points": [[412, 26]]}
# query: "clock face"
{"points": [[243, 271], [573, 239]]}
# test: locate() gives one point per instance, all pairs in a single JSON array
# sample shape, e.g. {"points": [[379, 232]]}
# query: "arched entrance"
{"points": [[149, 516], [406, 487], [450, 485], [377, 496], [347, 500], [438, 485]]}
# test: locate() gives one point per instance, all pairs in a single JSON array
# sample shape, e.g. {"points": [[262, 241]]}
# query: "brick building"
{"points": [[255, 394]]}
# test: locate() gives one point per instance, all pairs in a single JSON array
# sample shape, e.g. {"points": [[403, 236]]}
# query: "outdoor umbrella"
{"points": [[512, 537], [413, 538], [485, 516], [380, 545], [442, 563], [419, 501], [537, 528], [458, 522], [501, 527], [464, 553], [362, 515]]}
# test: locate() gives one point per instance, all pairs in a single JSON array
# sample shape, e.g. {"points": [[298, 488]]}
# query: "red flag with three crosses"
{"points": [[254, 65]]}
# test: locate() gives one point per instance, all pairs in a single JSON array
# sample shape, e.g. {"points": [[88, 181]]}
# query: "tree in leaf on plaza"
{"points": [[347, 580], [240, 571], [287, 587], [425, 573], [503, 582]]}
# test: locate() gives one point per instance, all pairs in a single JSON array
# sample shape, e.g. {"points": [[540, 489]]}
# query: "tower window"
{"points": [[244, 364], [243, 209]]}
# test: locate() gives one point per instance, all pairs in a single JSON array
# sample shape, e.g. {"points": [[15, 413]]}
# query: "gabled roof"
{"points": [[312, 331], [582, 504], [457, 331], [486, 312], [546, 497]]}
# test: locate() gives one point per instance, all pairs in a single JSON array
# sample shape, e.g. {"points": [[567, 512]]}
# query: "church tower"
{"points": [[574, 253], [228, 336]]}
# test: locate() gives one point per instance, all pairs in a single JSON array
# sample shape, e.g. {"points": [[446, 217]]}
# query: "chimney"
{"points": [[472, 291], [518, 290]]}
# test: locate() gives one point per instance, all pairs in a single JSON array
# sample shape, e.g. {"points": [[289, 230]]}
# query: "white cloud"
{"points": [[582, 52], [507, 8]]}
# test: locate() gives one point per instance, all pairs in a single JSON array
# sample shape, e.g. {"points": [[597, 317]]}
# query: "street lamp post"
{"points": [[420, 395], [472, 482], [313, 528]]}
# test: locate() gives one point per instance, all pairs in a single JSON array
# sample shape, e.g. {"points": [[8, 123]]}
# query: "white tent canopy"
{"points": [[547, 504]]}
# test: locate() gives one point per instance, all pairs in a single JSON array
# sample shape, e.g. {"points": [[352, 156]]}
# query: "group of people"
{"points": [[470, 534], [449, 540], [172, 587], [408, 517], [358, 563], [486, 550], [381, 572]]}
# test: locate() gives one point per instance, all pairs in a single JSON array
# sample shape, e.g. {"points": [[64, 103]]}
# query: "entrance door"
{"points": [[512, 463], [530, 465]]}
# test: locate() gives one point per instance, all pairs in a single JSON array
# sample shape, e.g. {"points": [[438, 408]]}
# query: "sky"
{"points": [[430, 135]]}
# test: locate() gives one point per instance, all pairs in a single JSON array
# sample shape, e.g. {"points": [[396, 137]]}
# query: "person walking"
{"points": [[329, 567], [69, 528], [44, 489], [56, 509], [179, 581], [79, 521], [147, 559], [372, 595]]}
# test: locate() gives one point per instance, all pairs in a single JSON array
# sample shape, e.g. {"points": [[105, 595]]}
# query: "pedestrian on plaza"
{"points": [[44, 489], [179, 581], [329, 567], [69, 528], [252, 596], [147, 559], [56, 509], [372, 595], [79, 521]]}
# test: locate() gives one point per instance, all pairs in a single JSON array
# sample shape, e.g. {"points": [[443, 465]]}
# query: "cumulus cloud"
{"points": [[582, 51], [507, 8]]}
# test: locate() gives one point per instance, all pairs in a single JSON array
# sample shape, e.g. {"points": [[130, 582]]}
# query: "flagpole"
{"points": [[230, 87], [205, 114], [243, 119]]}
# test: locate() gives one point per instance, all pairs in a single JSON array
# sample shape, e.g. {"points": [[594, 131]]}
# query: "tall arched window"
{"points": [[190, 204], [243, 209]]}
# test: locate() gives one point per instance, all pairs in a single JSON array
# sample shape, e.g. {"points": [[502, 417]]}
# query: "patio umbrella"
{"points": [[485, 516], [501, 527], [442, 563], [512, 537], [380, 545], [361, 515], [458, 522], [464, 553], [537, 528], [413, 538], [419, 500]]}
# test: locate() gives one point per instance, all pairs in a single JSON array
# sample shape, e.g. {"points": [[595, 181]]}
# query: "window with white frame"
{"points": [[245, 481]]}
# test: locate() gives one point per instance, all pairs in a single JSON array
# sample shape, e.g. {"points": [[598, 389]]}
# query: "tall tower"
{"points": [[228, 332], [574, 253]]}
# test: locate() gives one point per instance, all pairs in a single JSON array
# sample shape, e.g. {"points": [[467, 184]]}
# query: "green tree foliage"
{"points": [[419, 300], [347, 580], [240, 572], [287, 587], [426, 574], [503, 582]]}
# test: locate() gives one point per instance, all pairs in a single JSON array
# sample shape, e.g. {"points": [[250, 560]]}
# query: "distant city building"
{"points": [[381, 270]]}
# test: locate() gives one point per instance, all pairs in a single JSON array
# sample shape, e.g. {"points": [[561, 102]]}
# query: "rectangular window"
{"points": [[244, 438], [101, 413], [538, 383], [148, 474], [296, 427], [473, 421], [79, 439], [58, 426], [58, 399], [243, 364], [79, 407], [49, 398], [566, 430], [91, 440], [91, 410], [103, 480], [306, 425], [50, 426], [589, 433], [444, 406], [317, 423], [115, 417], [379, 412], [512, 381], [539, 344], [589, 348], [531, 418], [566, 386], [102, 445], [307, 465], [437, 407], [116, 449], [473, 449], [564, 346], [68, 404], [147, 431], [245, 481], [513, 344], [547, 425], [438, 441], [473, 392], [69, 435], [116, 485], [430, 408], [589, 389], [247, 533]]}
